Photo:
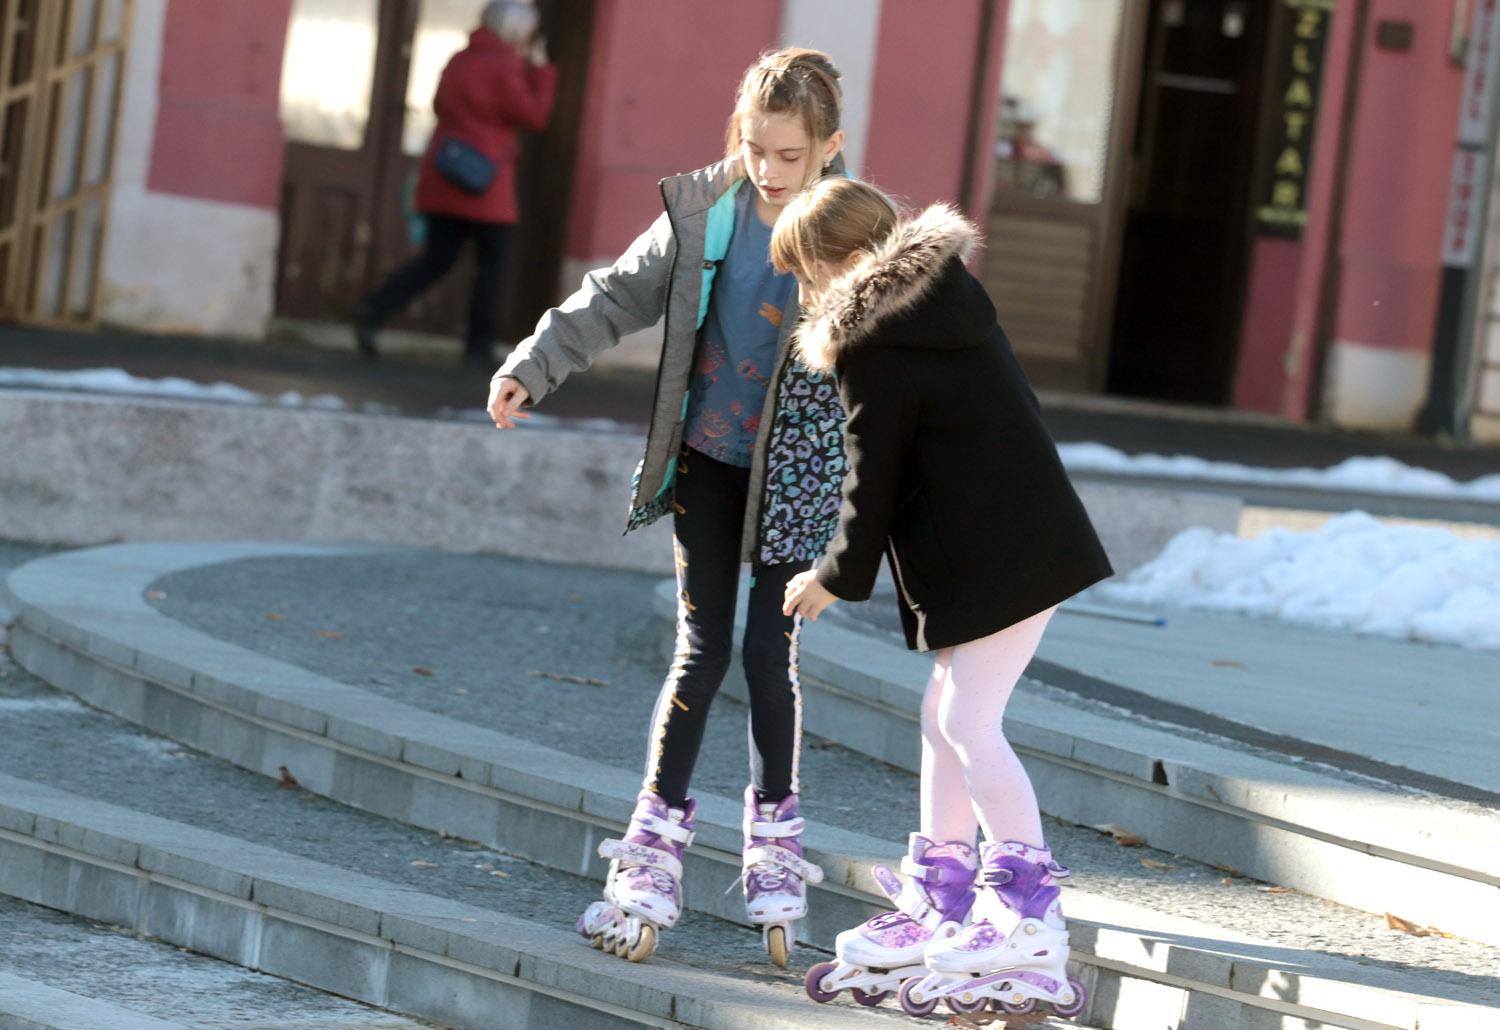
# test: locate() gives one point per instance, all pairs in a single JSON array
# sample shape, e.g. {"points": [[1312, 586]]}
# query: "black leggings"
{"points": [[446, 237], [710, 513]]}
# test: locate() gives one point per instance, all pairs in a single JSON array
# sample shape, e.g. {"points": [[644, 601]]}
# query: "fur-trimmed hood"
{"points": [[914, 262]]}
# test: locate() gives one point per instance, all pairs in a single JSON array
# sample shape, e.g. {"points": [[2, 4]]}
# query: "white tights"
{"points": [[970, 776]]}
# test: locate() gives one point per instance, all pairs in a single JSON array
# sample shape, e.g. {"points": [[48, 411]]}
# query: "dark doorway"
{"points": [[1183, 257], [344, 219]]}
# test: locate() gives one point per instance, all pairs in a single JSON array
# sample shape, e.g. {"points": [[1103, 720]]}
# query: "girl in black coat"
{"points": [[953, 477]]}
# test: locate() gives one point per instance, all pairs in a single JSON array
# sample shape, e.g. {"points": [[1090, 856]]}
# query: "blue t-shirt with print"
{"points": [[737, 344]]}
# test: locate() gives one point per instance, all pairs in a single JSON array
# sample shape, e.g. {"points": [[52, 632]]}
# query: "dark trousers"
{"points": [[710, 513], [445, 241]]}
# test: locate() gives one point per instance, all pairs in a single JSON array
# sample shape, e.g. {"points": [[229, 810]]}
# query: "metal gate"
{"points": [[61, 75]]}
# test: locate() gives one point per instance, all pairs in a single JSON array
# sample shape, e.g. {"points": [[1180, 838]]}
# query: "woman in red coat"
{"points": [[490, 91]]}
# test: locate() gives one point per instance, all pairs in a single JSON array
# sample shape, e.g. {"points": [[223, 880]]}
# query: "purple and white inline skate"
{"points": [[875, 957], [774, 872], [1015, 952], [643, 893]]}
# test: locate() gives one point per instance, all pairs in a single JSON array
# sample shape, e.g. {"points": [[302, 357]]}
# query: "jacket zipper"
{"points": [[666, 334]]}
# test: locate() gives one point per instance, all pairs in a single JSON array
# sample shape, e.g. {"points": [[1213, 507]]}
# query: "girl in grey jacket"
{"points": [[745, 451]]}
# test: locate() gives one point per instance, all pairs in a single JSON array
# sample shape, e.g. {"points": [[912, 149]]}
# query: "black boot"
{"points": [[365, 328]]}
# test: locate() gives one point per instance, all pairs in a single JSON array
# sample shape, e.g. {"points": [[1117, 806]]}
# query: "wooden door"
{"points": [[1183, 260], [335, 115], [1052, 230], [345, 204], [61, 72]]}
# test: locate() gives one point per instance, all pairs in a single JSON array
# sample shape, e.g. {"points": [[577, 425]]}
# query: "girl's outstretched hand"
{"points": [[807, 597], [506, 397]]}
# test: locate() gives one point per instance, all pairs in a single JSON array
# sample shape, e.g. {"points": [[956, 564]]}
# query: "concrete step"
{"points": [[336, 929], [1343, 837], [70, 973], [82, 624], [28, 1005]]}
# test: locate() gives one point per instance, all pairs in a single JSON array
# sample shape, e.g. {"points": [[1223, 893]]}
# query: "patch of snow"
{"points": [[1378, 475], [40, 704], [1355, 573], [118, 381]]}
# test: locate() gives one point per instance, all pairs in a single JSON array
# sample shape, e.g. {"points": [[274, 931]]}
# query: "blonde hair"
{"points": [[796, 81], [828, 222], [514, 21]]}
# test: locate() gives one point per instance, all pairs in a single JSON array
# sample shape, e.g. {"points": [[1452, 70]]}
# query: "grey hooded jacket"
{"points": [[798, 462]]}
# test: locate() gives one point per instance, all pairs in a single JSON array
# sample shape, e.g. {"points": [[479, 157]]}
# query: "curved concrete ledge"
{"points": [[81, 470], [83, 625], [1226, 805], [349, 934]]}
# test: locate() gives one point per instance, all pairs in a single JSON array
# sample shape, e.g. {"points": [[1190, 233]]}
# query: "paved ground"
{"points": [[1398, 710], [483, 625], [418, 386]]}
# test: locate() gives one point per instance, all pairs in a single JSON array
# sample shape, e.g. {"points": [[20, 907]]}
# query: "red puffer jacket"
{"points": [[487, 95]]}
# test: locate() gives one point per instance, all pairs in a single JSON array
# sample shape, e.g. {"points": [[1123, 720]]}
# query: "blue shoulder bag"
{"points": [[464, 166]]}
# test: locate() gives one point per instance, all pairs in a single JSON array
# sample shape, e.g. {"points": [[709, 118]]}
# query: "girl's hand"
{"points": [[506, 397], [807, 597], [537, 52]]}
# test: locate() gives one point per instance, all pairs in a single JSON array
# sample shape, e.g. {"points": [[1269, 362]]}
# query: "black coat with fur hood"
{"points": [[951, 471]]}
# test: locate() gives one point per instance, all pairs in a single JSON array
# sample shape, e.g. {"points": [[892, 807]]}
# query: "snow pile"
{"points": [[114, 380], [1377, 475], [1355, 573]]}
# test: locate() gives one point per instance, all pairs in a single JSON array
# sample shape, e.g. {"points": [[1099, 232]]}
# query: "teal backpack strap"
{"points": [[716, 243]]}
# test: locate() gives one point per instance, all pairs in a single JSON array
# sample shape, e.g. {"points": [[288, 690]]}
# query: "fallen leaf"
{"points": [[1123, 837], [1395, 922], [275, 617], [422, 670], [1151, 863], [459, 690], [287, 781], [1228, 881], [575, 598], [485, 866], [1227, 663], [421, 863], [330, 634], [562, 677], [500, 873], [155, 595], [1273, 889]]}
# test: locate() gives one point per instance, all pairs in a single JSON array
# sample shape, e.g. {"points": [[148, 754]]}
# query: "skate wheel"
{"points": [[911, 1006], [1017, 1008], [644, 946], [965, 1008], [597, 940], [777, 945], [1080, 998], [813, 982], [868, 998]]}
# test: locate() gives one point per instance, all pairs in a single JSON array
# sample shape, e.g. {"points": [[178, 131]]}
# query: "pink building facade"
{"points": [[1326, 310]]}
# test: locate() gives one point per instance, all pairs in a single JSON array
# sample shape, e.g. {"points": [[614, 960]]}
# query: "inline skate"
{"points": [[774, 871], [643, 892], [1015, 952], [875, 957]]}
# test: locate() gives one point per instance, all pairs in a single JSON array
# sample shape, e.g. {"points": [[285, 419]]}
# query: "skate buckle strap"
{"points": [[1057, 869], [675, 832], [788, 828], [996, 877], [640, 854], [788, 860], [928, 873]]}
